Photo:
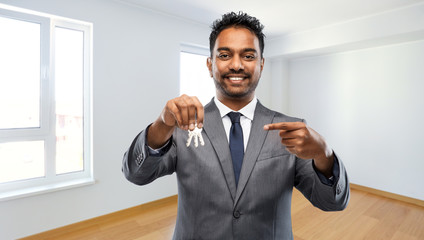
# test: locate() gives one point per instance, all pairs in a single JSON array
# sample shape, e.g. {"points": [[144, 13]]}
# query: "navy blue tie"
{"points": [[236, 143]]}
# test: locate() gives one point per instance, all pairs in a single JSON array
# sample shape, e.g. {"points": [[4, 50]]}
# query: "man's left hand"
{"points": [[305, 143]]}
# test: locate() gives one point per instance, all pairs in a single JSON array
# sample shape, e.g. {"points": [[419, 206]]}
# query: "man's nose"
{"points": [[236, 64]]}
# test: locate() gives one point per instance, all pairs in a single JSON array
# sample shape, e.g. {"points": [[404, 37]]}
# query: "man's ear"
{"points": [[209, 64], [262, 64]]}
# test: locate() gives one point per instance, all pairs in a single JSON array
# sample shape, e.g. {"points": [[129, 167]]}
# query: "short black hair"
{"points": [[239, 19]]}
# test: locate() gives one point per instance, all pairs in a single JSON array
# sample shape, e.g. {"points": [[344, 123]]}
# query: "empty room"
{"points": [[185, 119]]}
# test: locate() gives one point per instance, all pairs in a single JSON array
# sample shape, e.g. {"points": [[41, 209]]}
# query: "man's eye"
{"points": [[223, 56], [250, 57]]}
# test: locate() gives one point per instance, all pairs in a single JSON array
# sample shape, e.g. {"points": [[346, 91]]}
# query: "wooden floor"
{"points": [[368, 216]]}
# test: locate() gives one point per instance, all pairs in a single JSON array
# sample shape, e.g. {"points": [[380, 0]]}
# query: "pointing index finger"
{"points": [[288, 126]]}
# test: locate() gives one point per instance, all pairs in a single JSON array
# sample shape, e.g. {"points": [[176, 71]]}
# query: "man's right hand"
{"points": [[183, 112]]}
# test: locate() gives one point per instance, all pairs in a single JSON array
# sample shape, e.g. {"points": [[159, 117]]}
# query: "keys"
{"points": [[196, 136]]}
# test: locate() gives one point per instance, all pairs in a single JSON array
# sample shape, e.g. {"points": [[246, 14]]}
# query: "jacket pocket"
{"points": [[271, 155]]}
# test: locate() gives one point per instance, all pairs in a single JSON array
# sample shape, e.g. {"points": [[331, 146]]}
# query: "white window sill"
{"points": [[10, 195]]}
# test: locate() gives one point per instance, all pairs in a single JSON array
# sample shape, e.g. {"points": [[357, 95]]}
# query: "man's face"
{"points": [[236, 63]]}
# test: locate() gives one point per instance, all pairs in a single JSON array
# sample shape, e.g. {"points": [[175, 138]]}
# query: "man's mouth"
{"points": [[236, 78]]}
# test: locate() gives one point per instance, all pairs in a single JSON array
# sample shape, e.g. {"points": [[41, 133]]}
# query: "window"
{"points": [[194, 74], [45, 103]]}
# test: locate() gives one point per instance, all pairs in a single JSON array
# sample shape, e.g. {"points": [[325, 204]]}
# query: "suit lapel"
{"points": [[256, 140], [215, 131]]}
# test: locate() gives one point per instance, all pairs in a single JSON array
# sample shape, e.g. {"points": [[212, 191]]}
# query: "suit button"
{"points": [[236, 214], [338, 189]]}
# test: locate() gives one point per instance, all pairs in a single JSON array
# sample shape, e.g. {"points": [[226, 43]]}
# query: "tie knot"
{"points": [[234, 116]]}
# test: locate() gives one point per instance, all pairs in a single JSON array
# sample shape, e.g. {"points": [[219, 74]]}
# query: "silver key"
{"points": [[196, 136]]}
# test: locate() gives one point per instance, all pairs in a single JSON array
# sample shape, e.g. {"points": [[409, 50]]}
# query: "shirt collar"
{"points": [[248, 111]]}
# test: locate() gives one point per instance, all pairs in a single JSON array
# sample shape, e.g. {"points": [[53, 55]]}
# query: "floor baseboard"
{"points": [[388, 194]]}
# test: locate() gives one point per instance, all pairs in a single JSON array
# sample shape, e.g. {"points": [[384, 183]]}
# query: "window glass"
{"points": [[20, 74], [69, 67], [21, 160]]}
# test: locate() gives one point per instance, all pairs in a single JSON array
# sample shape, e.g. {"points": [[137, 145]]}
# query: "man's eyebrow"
{"points": [[223, 49], [229, 50], [249, 50]]}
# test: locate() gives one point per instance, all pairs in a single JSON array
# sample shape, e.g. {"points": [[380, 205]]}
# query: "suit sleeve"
{"points": [[141, 167], [322, 196]]}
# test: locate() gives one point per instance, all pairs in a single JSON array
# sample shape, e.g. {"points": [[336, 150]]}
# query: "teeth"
{"points": [[235, 78]]}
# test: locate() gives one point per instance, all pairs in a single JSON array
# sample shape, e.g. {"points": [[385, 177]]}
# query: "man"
{"points": [[239, 184]]}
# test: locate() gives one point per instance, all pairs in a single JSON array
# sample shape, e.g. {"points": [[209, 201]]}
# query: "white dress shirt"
{"points": [[245, 119]]}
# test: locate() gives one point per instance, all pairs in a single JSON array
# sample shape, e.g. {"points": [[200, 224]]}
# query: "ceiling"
{"points": [[280, 17]]}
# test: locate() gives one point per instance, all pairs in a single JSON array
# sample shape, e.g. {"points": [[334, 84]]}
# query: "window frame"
{"points": [[46, 130]]}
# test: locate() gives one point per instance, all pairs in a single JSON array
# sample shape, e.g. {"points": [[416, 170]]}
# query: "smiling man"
{"points": [[236, 65], [239, 184]]}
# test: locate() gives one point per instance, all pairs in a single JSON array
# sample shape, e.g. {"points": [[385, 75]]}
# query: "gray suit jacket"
{"points": [[210, 205]]}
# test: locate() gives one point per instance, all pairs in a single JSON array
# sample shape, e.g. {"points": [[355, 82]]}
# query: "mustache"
{"points": [[239, 72]]}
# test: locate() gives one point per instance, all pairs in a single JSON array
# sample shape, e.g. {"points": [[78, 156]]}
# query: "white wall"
{"points": [[359, 84], [136, 53], [369, 105]]}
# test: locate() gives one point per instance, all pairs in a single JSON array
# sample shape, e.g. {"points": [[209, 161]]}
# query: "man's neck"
{"points": [[235, 103]]}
